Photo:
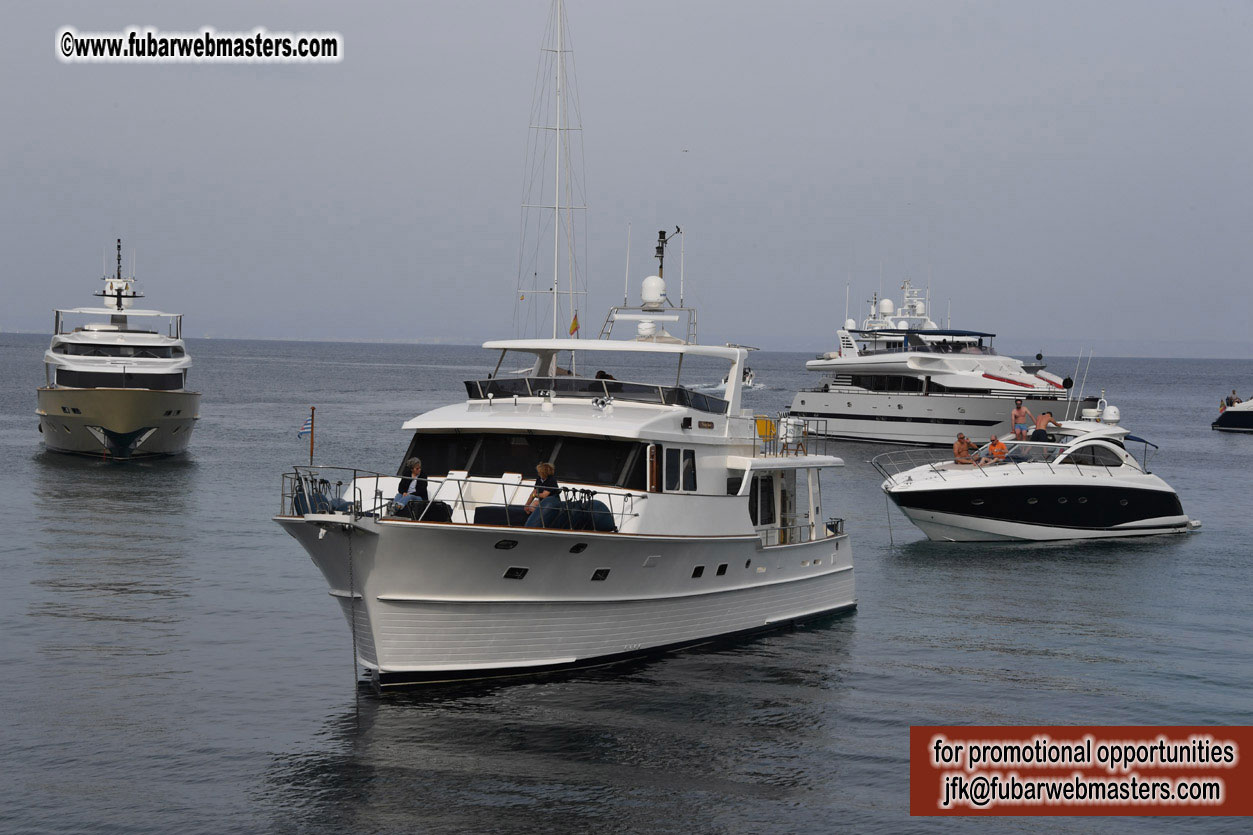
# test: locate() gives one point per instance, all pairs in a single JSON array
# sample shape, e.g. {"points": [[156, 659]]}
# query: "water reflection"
{"points": [[701, 740], [111, 552]]}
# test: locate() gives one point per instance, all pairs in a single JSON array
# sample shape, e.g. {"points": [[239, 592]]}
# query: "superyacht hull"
{"points": [[430, 602], [914, 418], [117, 423]]}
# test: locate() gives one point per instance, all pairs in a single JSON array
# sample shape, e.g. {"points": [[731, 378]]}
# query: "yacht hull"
{"points": [[1235, 419], [912, 418], [434, 602], [1041, 512], [117, 423]]}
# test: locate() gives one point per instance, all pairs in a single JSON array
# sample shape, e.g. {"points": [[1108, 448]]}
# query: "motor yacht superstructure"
{"points": [[681, 518], [116, 379], [1084, 486], [900, 378]]}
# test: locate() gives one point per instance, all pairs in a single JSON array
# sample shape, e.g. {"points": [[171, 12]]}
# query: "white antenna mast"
{"points": [[682, 258], [626, 279], [847, 286]]}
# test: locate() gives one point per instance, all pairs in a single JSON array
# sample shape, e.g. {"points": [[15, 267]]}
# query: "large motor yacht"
{"points": [[1080, 484], [116, 378], [680, 518], [902, 379]]}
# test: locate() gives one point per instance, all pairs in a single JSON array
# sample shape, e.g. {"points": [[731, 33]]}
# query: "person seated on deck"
{"points": [[604, 375], [1233, 399], [545, 485], [995, 452], [412, 488], [963, 450], [1042, 425]]}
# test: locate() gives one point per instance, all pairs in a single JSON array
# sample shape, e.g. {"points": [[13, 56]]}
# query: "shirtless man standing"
{"points": [[1022, 419], [1042, 425]]}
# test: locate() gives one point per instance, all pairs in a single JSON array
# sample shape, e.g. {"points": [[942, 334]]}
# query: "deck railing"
{"points": [[783, 435], [452, 499], [594, 388], [891, 465]]}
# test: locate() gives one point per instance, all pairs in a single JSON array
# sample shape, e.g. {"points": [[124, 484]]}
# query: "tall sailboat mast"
{"points": [[557, 175], [554, 140]]}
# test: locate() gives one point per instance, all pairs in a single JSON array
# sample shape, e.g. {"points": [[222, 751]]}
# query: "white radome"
{"points": [[653, 291]]}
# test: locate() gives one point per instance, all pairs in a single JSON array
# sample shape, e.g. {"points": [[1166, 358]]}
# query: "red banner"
{"points": [[1080, 770]]}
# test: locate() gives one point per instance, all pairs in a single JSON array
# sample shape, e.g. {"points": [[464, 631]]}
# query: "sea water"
{"points": [[172, 661]]}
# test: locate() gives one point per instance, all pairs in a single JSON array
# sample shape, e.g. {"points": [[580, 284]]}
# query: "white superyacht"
{"points": [[116, 378], [680, 519], [902, 379]]}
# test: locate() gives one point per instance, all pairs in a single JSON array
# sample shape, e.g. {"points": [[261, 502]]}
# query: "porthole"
{"points": [[976, 502], [1083, 500], [722, 569], [600, 574], [1062, 499], [1122, 502], [578, 547], [698, 571], [1032, 501], [515, 572], [506, 544], [747, 563]]}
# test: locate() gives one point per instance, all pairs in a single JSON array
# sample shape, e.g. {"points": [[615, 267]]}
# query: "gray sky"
{"points": [[1068, 173]]}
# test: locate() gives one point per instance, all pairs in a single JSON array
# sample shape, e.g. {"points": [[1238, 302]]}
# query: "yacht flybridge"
{"points": [[905, 380], [679, 518], [116, 378]]}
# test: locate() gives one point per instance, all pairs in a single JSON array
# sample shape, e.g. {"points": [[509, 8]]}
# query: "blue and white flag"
{"points": [[306, 428]]}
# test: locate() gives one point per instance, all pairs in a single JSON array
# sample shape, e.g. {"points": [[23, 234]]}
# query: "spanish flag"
{"points": [[574, 324]]}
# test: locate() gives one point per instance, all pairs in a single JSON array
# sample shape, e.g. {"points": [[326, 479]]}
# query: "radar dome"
{"points": [[902, 324], [653, 292], [886, 308], [850, 324], [1111, 415], [646, 329]]}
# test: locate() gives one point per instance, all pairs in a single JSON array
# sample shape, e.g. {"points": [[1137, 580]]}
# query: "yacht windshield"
{"points": [[491, 454]]}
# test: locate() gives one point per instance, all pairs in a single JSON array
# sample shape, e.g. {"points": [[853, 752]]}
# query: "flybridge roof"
{"points": [[113, 311], [547, 346], [924, 332]]}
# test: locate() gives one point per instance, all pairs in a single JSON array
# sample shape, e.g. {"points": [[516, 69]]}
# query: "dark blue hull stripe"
{"points": [[1083, 507]]}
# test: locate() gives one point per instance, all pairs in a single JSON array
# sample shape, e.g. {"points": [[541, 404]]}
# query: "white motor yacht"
{"points": [[680, 519], [116, 379], [902, 379], [1081, 484]]}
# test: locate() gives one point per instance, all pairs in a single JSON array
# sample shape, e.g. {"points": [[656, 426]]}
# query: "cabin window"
{"points": [[490, 454], [1093, 456], [77, 349], [114, 379], [680, 469], [1106, 457]]}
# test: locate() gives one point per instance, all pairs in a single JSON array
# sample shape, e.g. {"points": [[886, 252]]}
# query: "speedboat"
{"points": [[680, 519], [1083, 485], [116, 378], [1237, 418], [900, 378]]}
